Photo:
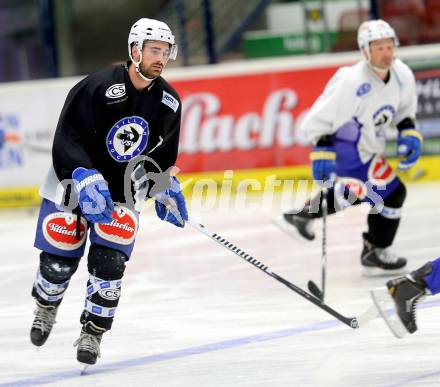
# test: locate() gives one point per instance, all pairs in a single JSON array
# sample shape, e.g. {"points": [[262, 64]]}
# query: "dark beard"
{"points": [[148, 74]]}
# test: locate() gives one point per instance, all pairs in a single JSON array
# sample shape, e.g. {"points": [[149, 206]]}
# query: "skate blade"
{"points": [[289, 229], [387, 309], [84, 369], [368, 315], [378, 272]]}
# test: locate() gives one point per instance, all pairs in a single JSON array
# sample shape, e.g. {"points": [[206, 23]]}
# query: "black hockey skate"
{"points": [[88, 343], [297, 225], [43, 323], [380, 261], [402, 294], [406, 293]]}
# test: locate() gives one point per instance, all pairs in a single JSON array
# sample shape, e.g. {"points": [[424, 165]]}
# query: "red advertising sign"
{"points": [[246, 121]]}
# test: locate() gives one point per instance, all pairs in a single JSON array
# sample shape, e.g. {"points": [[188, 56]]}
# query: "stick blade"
{"points": [[386, 307], [314, 290]]}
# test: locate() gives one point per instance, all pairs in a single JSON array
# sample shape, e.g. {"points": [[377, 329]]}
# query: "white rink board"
{"points": [[194, 314]]}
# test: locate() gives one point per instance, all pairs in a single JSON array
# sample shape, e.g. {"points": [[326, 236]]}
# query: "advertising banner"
{"points": [[428, 112], [246, 121], [28, 116]]}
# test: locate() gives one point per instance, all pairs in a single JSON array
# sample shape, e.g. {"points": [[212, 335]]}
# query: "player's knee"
{"points": [[106, 263], [397, 197], [57, 269], [392, 205], [106, 267], [53, 278]]}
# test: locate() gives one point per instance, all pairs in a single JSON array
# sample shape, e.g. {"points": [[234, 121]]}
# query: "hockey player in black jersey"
{"points": [[115, 143]]}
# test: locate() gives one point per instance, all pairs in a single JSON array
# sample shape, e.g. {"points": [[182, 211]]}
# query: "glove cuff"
{"points": [[83, 178], [323, 153], [411, 132]]}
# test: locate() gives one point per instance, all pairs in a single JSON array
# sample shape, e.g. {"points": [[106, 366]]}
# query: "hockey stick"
{"points": [[352, 322], [313, 288]]}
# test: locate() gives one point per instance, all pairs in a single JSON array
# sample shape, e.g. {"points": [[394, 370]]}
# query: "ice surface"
{"points": [[193, 314]]}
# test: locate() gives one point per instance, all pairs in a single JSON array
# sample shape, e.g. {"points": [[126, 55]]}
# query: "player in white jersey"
{"points": [[347, 125]]}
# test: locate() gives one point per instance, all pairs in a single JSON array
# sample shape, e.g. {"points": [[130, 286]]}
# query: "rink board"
{"points": [[252, 181]]}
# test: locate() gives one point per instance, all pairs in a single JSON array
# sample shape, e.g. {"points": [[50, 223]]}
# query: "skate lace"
{"points": [[416, 300], [44, 319], [387, 255], [88, 343]]}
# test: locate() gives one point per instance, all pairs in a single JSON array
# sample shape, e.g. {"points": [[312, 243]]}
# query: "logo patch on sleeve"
{"points": [[170, 101], [59, 229], [363, 89], [122, 229]]}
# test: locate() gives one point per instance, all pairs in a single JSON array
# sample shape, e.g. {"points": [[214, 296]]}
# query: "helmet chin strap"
{"points": [[137, 65], [139, 72], [378, 69]]}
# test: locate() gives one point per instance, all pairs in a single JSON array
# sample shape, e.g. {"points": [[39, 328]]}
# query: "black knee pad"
{"points": [[53, 278], [106, 263], [57, 269], [397, 197], [106, 267]]}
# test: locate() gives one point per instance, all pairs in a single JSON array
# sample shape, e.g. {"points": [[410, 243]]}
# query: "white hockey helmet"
{"points": [[372, 30], [151, 29]]}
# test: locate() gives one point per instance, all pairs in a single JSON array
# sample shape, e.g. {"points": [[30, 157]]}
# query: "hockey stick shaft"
{"points": [[352, 322], [324, 241], [313, 288]]}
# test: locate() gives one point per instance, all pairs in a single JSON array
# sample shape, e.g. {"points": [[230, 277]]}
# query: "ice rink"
{"points": [[194, 314]]}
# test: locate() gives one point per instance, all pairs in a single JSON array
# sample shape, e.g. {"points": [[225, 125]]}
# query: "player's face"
{"points": [[382, 53], [155, 56]]}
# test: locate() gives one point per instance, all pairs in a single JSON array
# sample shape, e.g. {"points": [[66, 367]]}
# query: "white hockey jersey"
{"points": [[356, 93]]}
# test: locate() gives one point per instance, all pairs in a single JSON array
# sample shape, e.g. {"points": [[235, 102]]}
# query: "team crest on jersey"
{"points": [[384, 116], [122, 229], [380, 172], [127, 138], [59, 230]]}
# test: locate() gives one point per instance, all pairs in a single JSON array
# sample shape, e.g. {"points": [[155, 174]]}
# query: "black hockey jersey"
{"points": [[107, 124]]}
